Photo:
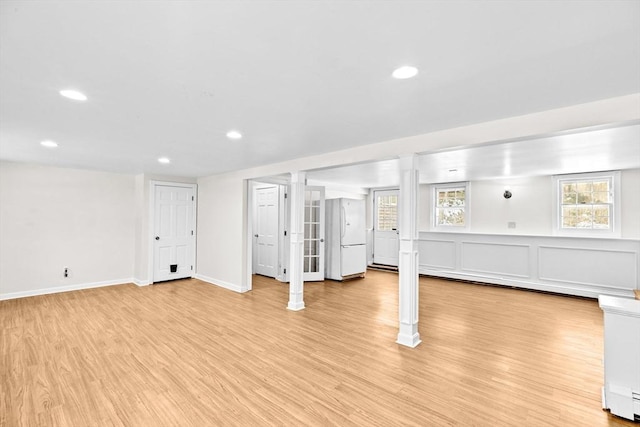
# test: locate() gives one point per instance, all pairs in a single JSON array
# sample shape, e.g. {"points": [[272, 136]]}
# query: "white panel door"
{"points": [[385, 230], [174, 234], [313, 258], [266, 231]]}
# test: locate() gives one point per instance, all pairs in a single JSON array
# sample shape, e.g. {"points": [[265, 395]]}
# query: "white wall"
{"points": [[141, 232], [222, 218], [530, 207], [94, 223], [630, 194], [332, 193], [222, 232], [51, 218], [489, 211]]}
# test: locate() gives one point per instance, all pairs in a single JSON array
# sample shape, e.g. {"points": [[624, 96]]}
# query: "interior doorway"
{"points": [[266, 226], [268, 221], [385, 227], [173, 225], [314, 219]]}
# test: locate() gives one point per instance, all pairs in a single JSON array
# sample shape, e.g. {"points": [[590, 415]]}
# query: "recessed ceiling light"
{"points": [[405, 72], [73, 94], [164, 160], [49, 144], [234, 134]]}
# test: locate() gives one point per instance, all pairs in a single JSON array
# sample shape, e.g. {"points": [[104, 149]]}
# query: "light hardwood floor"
{"points": [[189, 353]]}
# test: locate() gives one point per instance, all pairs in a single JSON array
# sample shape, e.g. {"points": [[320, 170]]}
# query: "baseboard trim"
{"points": [[295, 306], [58, 289], [410, 341], [588, 291], [138, 282], [221, 283], [383, 267]]}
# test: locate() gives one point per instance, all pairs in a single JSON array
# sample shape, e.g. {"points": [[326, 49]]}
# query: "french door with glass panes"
{"points": [[385, 230], [313, 268]]}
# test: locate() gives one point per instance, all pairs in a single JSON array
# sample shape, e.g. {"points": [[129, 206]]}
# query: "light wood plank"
{"points": [[188, 353]]}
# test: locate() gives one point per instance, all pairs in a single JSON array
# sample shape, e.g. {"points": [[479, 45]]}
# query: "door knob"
{"points": [[157, 237]]}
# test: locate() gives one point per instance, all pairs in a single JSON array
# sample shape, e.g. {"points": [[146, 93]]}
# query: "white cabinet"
{"points": [[621, 391]]}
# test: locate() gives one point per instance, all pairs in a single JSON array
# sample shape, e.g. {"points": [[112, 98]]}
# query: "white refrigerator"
{"points": [[345, 235]]}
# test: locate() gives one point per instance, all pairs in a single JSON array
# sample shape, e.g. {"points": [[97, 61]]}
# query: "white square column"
{"points": [[408, 334], [296, 233]]}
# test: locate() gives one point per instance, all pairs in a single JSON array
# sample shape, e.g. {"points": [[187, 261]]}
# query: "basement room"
{"points": [[320, 213]]}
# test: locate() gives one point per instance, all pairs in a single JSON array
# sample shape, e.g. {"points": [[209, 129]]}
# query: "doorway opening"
{"points": [[385, 229], [269, 229], [314, 218], [269, 224], [173, 231]]}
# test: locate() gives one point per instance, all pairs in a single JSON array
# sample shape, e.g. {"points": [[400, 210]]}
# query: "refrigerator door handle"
{"points": [[343, 223]]}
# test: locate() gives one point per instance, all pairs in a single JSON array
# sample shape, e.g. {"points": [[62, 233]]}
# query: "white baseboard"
{"points": [[57, 289], [139, 282], [410, 341], [221, 283], [295, 306], [583, 290]]}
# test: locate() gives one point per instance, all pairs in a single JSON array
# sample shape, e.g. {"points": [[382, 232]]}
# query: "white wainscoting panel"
{"points": [[601, 267], [495, 258], [576, 266], [437, 254]]}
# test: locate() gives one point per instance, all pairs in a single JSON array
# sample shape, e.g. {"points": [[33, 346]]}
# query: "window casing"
{"points": [[587, 204], [451, 206]]}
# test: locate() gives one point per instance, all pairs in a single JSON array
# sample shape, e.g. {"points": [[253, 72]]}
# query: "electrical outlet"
{"points": [[66, 272], [511, 224]]}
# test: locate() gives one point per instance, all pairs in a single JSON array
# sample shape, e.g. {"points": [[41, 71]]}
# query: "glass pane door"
{"points": [[385, 232], [387, 211], [313, 259]]}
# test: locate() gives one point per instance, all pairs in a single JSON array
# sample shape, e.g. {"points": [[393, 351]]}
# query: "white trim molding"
{"points": [[568, 265], [466, 208], [614, 230], [58, 289], [221, 283]]}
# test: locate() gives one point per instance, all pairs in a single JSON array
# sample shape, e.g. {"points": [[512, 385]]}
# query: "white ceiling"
{"points": [[597, 149], [169, 78]]}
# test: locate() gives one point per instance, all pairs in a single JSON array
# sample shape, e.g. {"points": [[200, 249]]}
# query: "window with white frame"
{"points": [[450, 206], [587, 203]]}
